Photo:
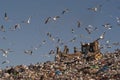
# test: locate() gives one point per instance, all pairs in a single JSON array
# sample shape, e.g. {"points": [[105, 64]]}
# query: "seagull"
{"points": [[28, 21], [49, 34], [58, 40], [73, 40], [89, 32], [102, 35], [95, 9], [52, 52], [108, 44], [2, 28], [90, 29], [46, 21], [56, 17], [5, 52], [44, 41], [17, 26], [108, 41], [118, 20], [72, 30], [5, 16], [30, 52], [107, 26], [65, 10]]}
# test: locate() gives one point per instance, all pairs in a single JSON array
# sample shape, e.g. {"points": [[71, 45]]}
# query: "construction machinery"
{"points": [[89, 51]]}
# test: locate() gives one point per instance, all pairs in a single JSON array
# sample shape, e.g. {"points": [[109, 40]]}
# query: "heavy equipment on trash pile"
{"points": [[89, 51]]}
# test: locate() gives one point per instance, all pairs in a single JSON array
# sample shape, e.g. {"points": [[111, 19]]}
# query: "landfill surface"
{"points": [[106, 68]]}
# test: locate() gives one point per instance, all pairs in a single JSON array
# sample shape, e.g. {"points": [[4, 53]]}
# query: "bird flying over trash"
{"points": [[28, 21], [56, 17], [47, 20], [5, 52], [65, 11], [2, 28], [107, 26], [102, 35], [30, 52], [16, 26], [5, 16], [95, 9]]}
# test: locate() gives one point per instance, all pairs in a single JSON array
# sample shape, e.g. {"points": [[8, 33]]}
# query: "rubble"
{"points": [[106, 67]]}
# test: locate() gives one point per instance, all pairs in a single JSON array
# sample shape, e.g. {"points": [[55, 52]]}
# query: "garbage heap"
{"points": [[106, 67]]}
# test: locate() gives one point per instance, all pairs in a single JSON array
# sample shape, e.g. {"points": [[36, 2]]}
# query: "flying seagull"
{"points": [[46, 21], [102, 35], [65, 10], [72, 30], [107, 26], [16, 26], [5, 16], [30, 52], [118, 20], [73, 40], [27, 21], [5, 52], [2, 28], [56, 17], [89, 32], [95, 9]]}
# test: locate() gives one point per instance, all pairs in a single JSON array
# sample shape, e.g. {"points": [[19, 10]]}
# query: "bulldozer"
{"points": [[91, 50]]}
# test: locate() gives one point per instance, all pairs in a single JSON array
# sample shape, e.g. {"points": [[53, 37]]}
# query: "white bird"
{"points": [[107, 26], [102, 35], [5, 52], [95, 9], [56, 17], [118, 20], [27, 21], [30, 52], [108, 41]]}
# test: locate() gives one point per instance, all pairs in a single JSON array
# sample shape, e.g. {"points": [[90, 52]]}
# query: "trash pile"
{"points": [[106, 68]]}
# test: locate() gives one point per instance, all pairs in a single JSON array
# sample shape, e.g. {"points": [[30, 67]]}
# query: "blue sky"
{"points": [[32, 35]]}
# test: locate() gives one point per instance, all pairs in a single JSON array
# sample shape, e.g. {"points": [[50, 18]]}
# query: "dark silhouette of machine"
{"points": [[89, 51]]}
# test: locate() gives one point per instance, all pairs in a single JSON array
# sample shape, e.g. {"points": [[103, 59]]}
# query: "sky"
{"points": [[33, 35]]}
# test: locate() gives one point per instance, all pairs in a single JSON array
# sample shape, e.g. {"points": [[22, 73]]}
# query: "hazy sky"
{"points": [[34, 35]]}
